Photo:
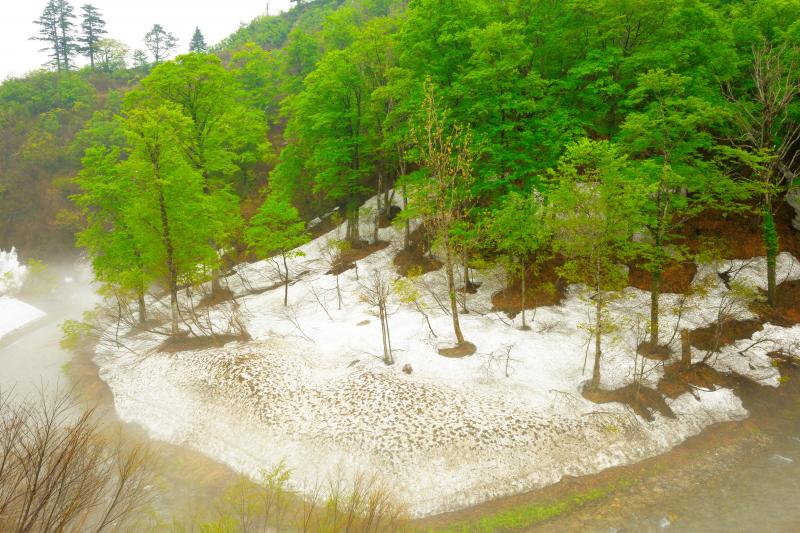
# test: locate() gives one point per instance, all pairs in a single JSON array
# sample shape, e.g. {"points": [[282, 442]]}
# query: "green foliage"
{"points": [[276, 229], [526, 516]]}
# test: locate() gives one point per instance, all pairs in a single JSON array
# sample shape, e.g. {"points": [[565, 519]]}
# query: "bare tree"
{"points": [[768, 131], [333, 254], [59, 472], [376, 291], [443, 197]]}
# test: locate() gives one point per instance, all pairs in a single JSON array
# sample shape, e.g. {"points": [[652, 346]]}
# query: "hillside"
{"points": [[467, 247]]}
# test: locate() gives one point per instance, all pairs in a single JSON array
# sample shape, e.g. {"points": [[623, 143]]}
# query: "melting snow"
{"points": [[311, 389]]}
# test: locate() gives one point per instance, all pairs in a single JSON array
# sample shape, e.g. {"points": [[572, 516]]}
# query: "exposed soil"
{"points": [[659, 352], [679, 380], [714, 336], [676, 278], [415, 258], [464, 349], [223, 295], [786, 312], [356, 253], [185, 342], [739, 235], [542, 288], [642, 400]]}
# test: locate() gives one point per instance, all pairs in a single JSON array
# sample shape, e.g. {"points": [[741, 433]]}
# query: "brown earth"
{"points": [[415, 259], [542, 288], [676, 278], [356, 253], [739, 234], [644, 401]]}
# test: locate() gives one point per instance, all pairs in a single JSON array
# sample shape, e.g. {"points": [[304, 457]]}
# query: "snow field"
{"points": [[311, 389]]}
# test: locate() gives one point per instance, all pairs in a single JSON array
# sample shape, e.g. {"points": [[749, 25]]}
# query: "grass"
{"points": [[528, 515]]}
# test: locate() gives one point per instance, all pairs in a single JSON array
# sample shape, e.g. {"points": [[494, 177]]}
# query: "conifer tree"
{"points": [[198, 42], [93, 27], [67, 44]]}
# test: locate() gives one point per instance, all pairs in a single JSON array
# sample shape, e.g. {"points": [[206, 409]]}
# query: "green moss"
{"points": [[527, 515]]}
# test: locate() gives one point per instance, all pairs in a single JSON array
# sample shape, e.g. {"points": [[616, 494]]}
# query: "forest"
{"points": [[604, 144]]}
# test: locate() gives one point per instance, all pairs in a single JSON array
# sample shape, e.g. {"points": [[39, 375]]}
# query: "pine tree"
{"points": [[198, 43], [67, 46], [48, 32], [93, 27], [160, 43]]}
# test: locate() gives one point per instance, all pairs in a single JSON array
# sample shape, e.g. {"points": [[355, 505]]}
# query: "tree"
{"points": [[117, 257], [768, 129], [198, 42], [160, 43], [669, 134], [518, 230], [66, 32], [440, 197], [48, 32], [277, 230], [594, 212], [56, 28], [59, 470], [376, 291], [112, 55], [140, 60], [93, 27], [174, 219], [227, 136]]}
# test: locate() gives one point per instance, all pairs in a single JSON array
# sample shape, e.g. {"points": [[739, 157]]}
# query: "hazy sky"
{"points": [[126, 21]]}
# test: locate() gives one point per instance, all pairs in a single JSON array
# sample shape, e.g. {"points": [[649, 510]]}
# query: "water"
{"points": [[31, 360], [760, 494]]}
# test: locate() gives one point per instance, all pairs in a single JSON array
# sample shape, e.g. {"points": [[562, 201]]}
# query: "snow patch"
{"points": [[15, 314], [311, 389]]}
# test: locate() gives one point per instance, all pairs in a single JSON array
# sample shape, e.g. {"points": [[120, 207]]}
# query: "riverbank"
{"points": [[640, 497], [721, 466]]}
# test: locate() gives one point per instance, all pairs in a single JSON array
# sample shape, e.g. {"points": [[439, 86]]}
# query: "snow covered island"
{"points": [[310, 386]]}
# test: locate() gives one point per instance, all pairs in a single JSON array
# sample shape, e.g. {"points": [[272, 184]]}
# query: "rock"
{"points": [[793, 199], [363, 323], [407, 369]]}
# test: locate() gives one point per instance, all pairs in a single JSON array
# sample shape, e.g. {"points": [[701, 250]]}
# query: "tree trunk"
{"points": [[686, 349], [451, 287], [598, 328], [142, 308], [771, 244], [655, 291], [173, 269], [465, 263], [353, 235], [407, 236], [524, 325], [216, 286], [285, 281], [379, 209], [338, 294]]}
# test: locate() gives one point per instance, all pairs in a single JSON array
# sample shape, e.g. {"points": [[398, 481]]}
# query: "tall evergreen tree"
{"points": [[93, 27], [198, 43], [67, 45], [48, 33]]}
